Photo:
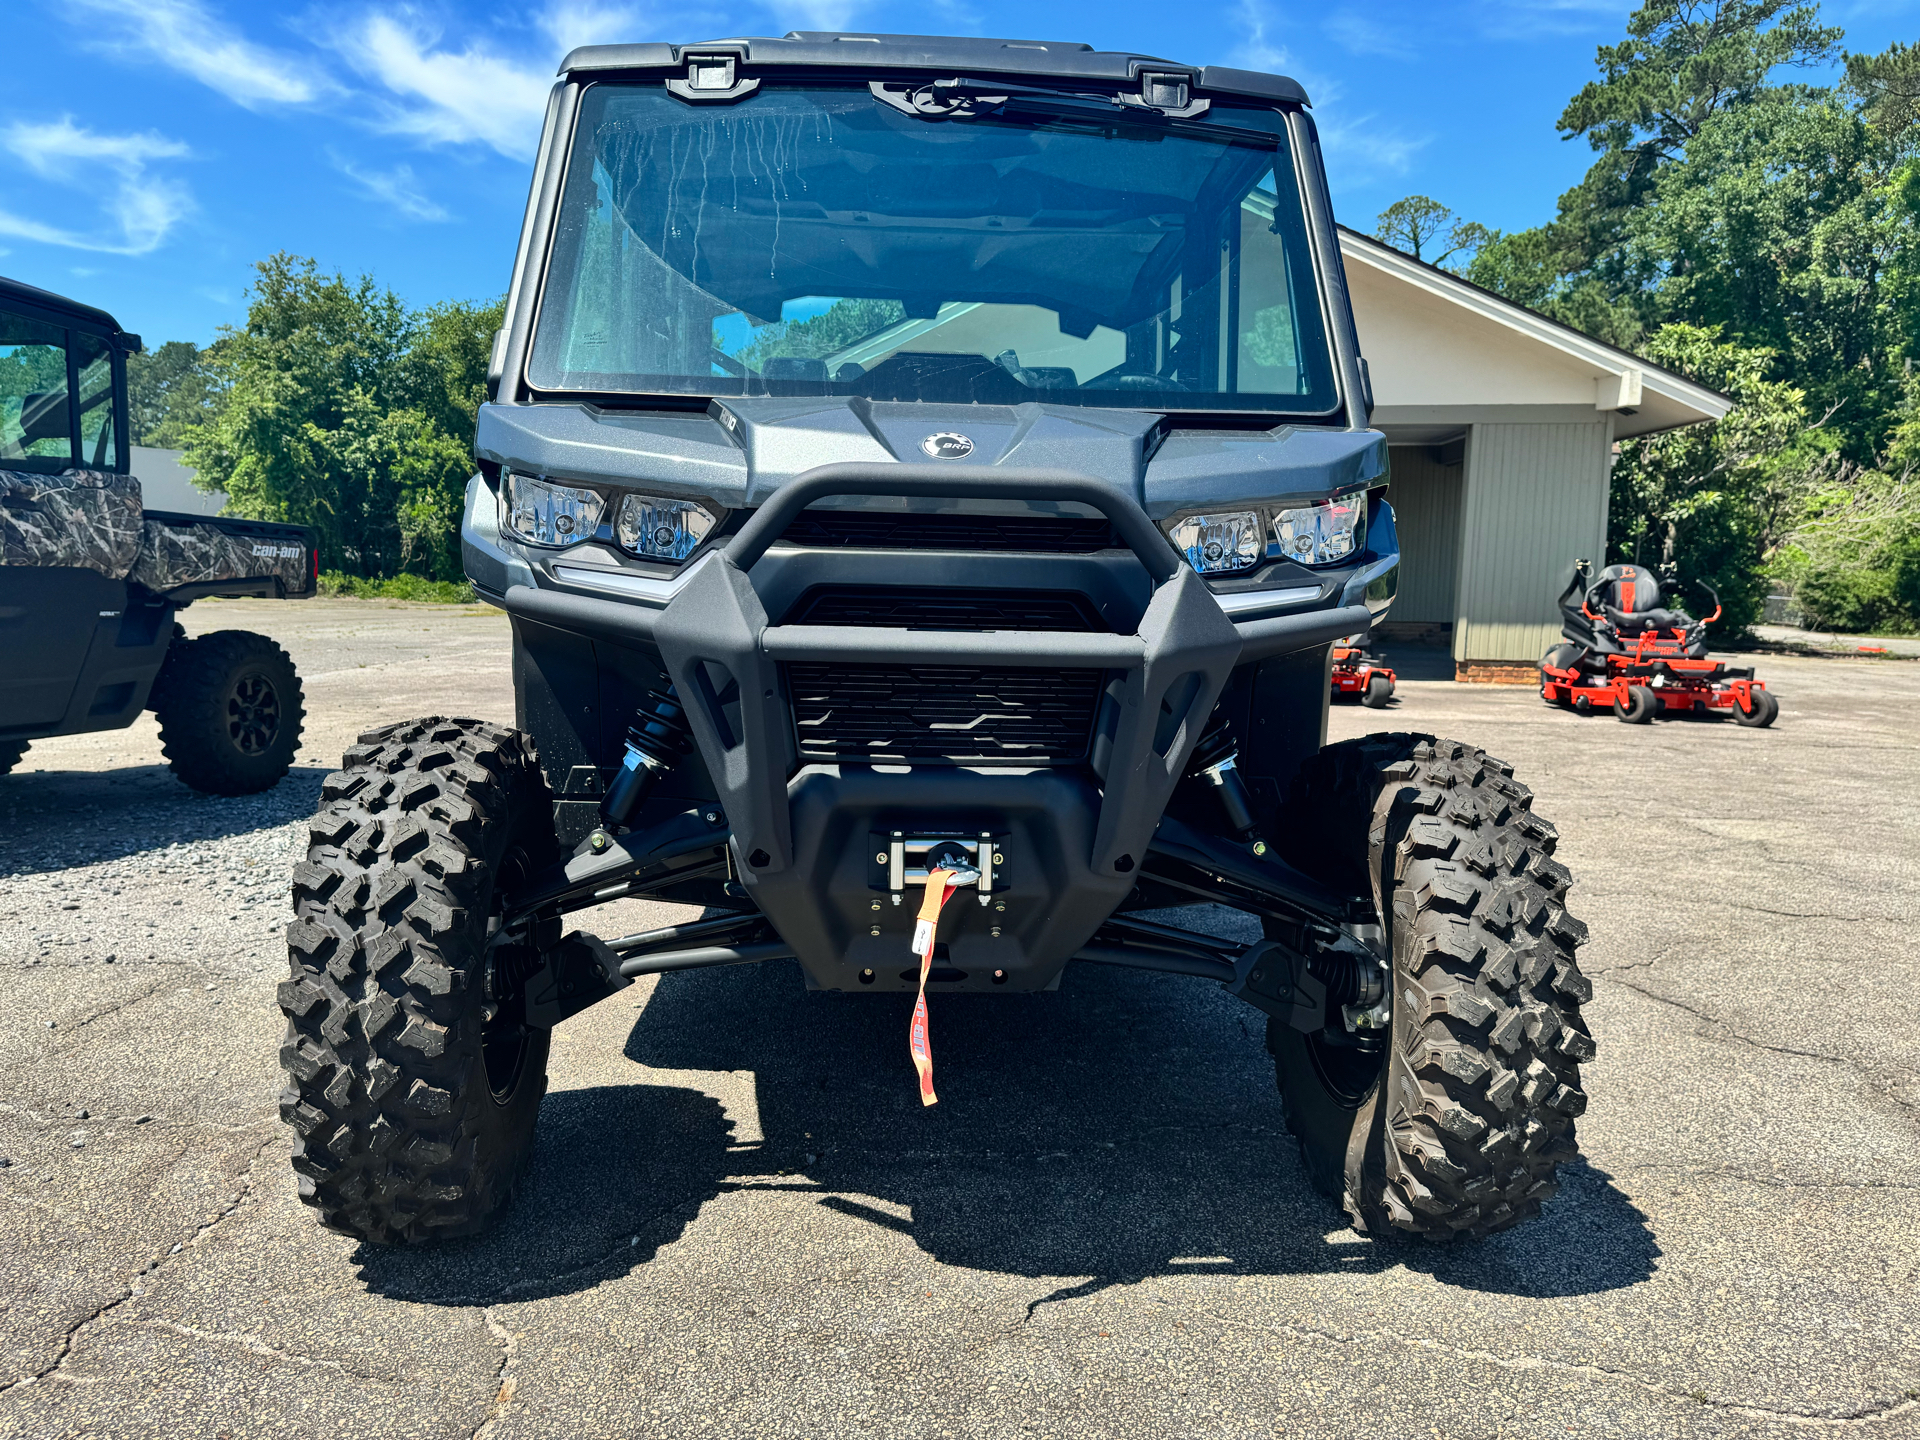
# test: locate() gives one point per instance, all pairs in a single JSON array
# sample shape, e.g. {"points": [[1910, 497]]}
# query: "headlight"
{"points": [[1322, 534], [547, 514], [1216, 544], [664, 529]]}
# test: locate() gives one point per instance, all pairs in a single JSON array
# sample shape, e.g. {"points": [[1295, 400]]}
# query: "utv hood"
{"points": [[740, 451]]}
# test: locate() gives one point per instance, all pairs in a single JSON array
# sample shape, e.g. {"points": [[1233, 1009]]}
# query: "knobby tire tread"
{"points": [[189, 697], [1482, 1084], [398, 1137]]}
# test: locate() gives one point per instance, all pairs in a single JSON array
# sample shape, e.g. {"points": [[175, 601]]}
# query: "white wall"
{"points": [[1424, 350], [166, 484]]}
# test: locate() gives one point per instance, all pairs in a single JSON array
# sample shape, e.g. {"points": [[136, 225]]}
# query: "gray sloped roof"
{"points": [[970, 55]]}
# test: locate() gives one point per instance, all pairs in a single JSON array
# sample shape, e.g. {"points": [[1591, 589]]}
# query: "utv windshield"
{"points": [[812, 240]]}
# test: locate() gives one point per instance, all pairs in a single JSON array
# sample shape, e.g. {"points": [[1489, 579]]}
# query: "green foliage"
{"points": [[1683, 62], [396, 587], [844, 323], [1706, 502], [167, 390], [1764, 233], [1428, 230], [1852, 560], [336, 407]]}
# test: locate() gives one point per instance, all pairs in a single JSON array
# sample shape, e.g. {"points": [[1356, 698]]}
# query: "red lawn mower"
{"points": [[1358, 673], [1624, 650]]}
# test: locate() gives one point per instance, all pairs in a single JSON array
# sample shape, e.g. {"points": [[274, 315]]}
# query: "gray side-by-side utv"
{"points": [[915, 459]]}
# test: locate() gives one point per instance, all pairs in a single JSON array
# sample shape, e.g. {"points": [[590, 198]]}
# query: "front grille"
{"points": [[945, 530], [942, 713], [913, 608]]}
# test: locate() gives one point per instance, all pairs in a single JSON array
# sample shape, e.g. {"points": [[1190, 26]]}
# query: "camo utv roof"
{"points": [[18, 292], [953, 54]]}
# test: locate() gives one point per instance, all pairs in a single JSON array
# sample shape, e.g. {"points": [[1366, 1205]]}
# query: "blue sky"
{"points": [[152, 150]]}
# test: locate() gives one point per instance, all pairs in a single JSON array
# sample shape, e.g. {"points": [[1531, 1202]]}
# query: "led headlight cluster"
{"points": [[664, 529], [542, 512], [1222, 542], [1322, 534], [1219, 543], [549, 514]]}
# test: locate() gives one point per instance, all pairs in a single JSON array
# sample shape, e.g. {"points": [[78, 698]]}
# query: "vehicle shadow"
{"points": [[1124, 1127], [617, 1173], [54, 819]]}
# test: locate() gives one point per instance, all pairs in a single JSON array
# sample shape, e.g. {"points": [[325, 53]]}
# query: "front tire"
{"points": [[1457, 1125], [1380, 690], [412, 1097], [230, 710], [10, 753], [1766, 708], [1641, 705]]}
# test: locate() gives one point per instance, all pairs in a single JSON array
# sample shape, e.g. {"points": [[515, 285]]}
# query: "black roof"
{"points": [[833, 50], [20, 293]]}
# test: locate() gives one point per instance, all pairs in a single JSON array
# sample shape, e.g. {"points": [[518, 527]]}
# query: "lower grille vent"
{"points": [[915, 608], [950, 530], [942, 713]]}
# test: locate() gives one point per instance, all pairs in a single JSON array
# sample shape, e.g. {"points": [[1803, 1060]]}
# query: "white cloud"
{"points": [[1356, 145], [140, 209], [1539, 19], [183, 35], [816, 14], [1360, 146], [396, 188], [1361, 36], [585, 22], [448, 96]]}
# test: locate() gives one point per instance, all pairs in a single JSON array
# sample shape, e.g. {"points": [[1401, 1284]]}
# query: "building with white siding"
{"points": [[1501, 427]]}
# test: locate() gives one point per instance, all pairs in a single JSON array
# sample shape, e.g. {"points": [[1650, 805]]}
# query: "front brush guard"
{"points": [[723, 657]]}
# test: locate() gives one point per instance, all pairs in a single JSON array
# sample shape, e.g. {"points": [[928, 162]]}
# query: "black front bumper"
{"points": [[802, 833]]}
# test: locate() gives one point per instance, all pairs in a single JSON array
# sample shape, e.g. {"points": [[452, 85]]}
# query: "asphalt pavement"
{"points": [[739, 1221]]}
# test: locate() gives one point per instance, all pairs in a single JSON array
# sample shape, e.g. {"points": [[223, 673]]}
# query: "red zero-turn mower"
{"points": [[1624, 650], [1358, 673]]}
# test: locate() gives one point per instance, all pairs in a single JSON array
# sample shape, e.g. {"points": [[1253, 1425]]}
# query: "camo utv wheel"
{"points": [[230, 710], [1456, 1125], [10, 753], [412, 1097]]}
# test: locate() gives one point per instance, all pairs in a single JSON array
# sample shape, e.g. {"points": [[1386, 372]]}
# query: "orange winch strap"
{"points": [[925, 924]]}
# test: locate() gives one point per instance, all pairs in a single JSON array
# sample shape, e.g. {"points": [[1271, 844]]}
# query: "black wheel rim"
{"points": [[253, 714], [503, 1049], [503, 1036], [1348, 1074]]}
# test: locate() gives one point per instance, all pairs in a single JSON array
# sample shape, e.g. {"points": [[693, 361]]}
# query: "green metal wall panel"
{"points": [[1536, 499], [1426, 497]]}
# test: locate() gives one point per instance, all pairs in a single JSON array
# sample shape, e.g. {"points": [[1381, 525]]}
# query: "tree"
{"points": [[1709, 502], [337, 407], [166, 392], [1418, 222], [844, 323]]}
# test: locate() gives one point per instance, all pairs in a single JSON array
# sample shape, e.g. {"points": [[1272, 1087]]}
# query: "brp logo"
{"points": [[948, 446]]}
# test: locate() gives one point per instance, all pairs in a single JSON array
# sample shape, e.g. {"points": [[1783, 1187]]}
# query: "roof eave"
{"points": [[1678, 389]]}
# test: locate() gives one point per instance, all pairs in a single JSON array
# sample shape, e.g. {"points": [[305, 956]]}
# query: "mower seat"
{"points": [[1631, 600]]}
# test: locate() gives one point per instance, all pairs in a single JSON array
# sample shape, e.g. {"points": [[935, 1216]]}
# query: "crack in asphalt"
{"points": [[132, 1288], [506, 1294], [1786, 1183], [504, 1395], [1807, 915], [117, 1007], [258, 1346], [1730, 1033], [1860, 1416]]}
